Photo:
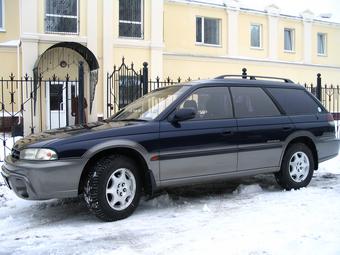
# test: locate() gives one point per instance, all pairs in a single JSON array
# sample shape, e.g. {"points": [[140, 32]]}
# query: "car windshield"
{"points": [[151, 105]]}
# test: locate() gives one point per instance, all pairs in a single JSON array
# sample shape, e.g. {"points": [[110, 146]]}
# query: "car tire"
{"points": [[113, 188], [297, 167]]}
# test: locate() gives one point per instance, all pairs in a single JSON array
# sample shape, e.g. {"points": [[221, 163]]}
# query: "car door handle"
{"points": [[227, 132], [287, 128]]}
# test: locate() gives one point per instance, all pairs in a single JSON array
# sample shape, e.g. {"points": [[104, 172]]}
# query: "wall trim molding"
{"points": [[52, 38], [255, 60], [137, 44]]}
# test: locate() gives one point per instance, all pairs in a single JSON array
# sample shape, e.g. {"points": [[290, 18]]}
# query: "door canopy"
{"points": [[88, 56]]}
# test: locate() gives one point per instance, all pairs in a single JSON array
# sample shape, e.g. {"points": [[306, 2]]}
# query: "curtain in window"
{"points": [[130, 18], [288, 39], [198, 29], [61, 16], [1, 25], [61, 7], [211, 31], [255, 36], [321, 43]]}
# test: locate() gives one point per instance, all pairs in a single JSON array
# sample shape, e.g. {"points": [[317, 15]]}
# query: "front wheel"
{"points": [[297, 167], [113, 188]]}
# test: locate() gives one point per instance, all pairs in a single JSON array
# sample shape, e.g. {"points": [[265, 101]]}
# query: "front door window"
{"points": [[56, 97]]}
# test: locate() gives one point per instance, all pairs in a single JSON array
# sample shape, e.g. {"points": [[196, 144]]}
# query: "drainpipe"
{"points": [[18, 75], [18, 58]]}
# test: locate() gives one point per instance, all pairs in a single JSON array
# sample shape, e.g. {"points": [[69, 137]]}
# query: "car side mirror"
{"points": [[183, 114]]}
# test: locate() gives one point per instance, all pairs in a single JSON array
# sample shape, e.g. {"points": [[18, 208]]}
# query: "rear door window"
{"points": [[295, 101], [252, 102]]}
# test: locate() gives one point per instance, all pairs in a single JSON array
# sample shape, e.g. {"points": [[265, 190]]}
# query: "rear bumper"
{"points": [[327, 149], [42, 180]]}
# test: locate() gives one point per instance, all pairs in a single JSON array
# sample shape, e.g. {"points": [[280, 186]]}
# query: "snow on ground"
{"points": [[248, 216]]}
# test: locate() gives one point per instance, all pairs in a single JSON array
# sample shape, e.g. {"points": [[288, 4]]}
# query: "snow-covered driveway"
{"points": [[249, 216]]}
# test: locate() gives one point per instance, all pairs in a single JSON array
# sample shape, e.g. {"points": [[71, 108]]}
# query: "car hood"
{"points": [[77, 132]]}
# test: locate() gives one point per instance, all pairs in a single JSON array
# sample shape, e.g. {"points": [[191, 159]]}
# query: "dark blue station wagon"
{"points": [[196, 132]]}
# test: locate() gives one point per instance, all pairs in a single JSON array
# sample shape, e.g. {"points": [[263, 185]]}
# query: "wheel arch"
{"points": [[306, 139], [148, 178]]}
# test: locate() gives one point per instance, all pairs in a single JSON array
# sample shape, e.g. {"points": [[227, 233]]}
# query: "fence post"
{"points": [[145, 78], [318, 87], [244, 73], [81, 93], [67, 100]]}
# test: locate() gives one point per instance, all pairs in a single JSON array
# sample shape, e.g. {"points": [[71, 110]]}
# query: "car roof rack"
{"points": [[254, 77]]}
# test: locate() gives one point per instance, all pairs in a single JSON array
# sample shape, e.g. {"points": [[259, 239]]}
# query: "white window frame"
{"points": [[64, 16], [325, 44], [292, 30], [203, 34], [260, 36], [2, 29], [141, 23]]}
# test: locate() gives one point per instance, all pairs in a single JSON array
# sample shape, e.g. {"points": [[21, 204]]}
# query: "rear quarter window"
{"points": [[296, 101], [250, 102]]}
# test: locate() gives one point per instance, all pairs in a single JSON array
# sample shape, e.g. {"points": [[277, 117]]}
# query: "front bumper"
{"points": [[41, 180]]}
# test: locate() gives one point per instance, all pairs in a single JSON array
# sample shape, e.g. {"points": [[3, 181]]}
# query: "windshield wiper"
{"points": [[142, 120]]}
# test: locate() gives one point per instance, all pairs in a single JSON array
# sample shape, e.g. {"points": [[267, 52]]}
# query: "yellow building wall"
{"points": [[180, 29], [8, 66], [203, 68], [332, 42], [8, 62], [297, 54], [245, 21], [12, 20]]}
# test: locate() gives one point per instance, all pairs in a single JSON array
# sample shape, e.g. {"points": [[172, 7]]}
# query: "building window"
{"points": [[131, 18], [207, 31], [62, 16], [322, 44], [2, 15], [256, 36], [289, 39]]}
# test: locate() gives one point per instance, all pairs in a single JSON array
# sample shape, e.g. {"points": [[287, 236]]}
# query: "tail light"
{"points": [[331, 121], [330, 117]]}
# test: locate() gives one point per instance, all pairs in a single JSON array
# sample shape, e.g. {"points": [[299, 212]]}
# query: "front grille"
{"points": [[15, 153]]}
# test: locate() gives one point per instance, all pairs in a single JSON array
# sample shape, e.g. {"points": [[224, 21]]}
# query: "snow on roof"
{"points": [[327, 11]]}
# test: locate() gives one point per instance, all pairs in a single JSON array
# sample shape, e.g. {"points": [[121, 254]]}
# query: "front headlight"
{"points": [[38, 154]]}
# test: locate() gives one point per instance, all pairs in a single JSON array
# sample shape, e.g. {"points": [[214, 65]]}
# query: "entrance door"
{"points": [[56, 104]]}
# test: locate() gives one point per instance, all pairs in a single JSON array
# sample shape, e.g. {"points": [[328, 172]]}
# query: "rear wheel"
{"points": [[113, 188], [297, 167]]}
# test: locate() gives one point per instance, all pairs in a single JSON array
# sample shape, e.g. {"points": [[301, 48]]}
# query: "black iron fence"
{"points": [[29, 105], [124, 85], [330, 97]]}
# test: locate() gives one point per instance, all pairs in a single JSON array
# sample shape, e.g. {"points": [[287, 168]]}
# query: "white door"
{"points": [[56, 100]]}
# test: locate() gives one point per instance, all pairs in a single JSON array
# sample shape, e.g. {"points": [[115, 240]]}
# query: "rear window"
{"points": [[295, 101], [252, 102]]}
